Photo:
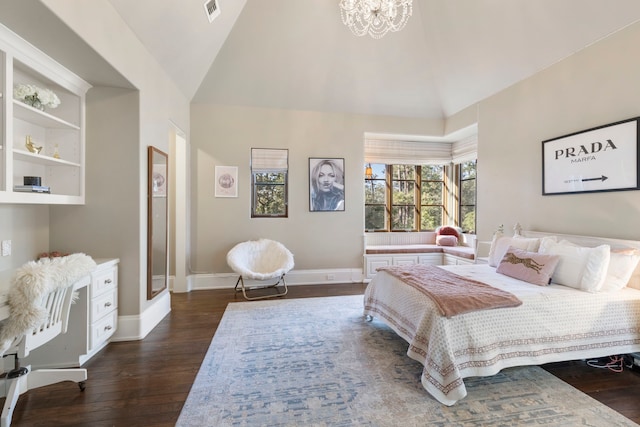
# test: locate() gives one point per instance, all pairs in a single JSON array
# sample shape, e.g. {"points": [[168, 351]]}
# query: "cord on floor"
{"points": [[612, 363]]}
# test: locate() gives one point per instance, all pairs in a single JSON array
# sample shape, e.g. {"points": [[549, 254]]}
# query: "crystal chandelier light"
{"points": [[375, 17]]}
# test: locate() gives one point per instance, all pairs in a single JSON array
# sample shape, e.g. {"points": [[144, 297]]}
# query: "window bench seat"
{"points": [[385, 249]]}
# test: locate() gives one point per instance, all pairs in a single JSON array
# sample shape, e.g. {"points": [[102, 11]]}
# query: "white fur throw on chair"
{"points": [[260, 259], [33, 281]]}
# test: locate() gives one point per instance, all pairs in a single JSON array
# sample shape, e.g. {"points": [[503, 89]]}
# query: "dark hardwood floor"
{"points": [[145, 383]]}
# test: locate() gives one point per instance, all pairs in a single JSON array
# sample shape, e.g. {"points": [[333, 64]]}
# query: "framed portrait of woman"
{"points": [[326, 184]]}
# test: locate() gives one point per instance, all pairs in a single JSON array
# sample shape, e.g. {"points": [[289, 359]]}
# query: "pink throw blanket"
{"points": [[452, 294]]}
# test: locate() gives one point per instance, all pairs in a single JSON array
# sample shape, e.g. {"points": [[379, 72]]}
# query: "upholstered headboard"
{"points": [[595, 241]]}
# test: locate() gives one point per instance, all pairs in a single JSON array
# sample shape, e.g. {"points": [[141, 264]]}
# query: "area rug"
{"points": [[317, 362]]}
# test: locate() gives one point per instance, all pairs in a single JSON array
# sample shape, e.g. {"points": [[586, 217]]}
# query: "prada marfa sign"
{"points": [[604, 158]]}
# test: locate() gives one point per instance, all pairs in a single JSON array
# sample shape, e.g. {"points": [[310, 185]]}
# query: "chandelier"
{"points": [[375, 17]]}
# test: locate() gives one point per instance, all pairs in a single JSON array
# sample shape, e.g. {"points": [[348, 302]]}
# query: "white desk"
{"points": [[92, 321]]}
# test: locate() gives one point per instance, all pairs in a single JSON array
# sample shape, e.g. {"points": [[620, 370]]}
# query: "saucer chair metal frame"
{"points": [[262, 260]]}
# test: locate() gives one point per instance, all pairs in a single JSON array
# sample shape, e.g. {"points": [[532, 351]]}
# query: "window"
{"points": [[432, 198], [375, 199], [467, 188], [269, 194], [404, 197]]}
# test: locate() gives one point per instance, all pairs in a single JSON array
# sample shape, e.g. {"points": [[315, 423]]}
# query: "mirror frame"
{"points": [[157, 157]]}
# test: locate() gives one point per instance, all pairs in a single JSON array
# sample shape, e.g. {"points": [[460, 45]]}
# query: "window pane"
{"points": [[432, 193], [374, 217], [274, 178], [404, 172], [374, 191], [468, 170], [468, 192], [432, 173], [404, 193], [402, 217], [269, 200], [468, 219], [378, 170], [431, 217]]}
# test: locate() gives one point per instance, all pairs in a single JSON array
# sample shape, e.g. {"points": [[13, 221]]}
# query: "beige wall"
{"points": [[105, 225], [318, 240], [124, 124], [594, 87], [28, 229]]}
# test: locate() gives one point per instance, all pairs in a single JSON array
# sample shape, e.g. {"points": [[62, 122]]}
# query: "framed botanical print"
{"points": [[226, 181]]}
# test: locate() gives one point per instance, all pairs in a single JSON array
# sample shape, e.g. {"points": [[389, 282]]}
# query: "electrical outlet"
{"points": [[6, 247], [331, 277]]}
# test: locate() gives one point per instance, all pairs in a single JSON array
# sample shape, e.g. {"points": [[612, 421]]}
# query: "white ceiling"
{"points": [[297, 53]]}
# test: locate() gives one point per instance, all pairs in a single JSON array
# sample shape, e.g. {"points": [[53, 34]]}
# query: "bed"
{"points": [[553, 323]]}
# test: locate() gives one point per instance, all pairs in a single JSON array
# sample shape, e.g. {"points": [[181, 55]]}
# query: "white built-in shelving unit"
{"points": [[59, 131]]}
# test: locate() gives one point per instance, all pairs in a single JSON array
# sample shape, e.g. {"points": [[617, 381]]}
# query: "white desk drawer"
{"points": [[104, 281], [103, 329], [104, 304]]}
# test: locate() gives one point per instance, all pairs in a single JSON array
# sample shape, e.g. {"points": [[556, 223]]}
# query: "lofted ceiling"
{"points": [[297, 54]]}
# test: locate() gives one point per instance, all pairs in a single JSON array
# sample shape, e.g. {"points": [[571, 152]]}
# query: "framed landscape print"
{"points": [[604, 158], [326, 184]]}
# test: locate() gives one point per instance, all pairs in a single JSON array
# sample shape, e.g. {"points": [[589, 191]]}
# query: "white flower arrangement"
{"points": [[35, 96]]}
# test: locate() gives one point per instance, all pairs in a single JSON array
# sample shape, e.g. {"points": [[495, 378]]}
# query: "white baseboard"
{"points": [[294, 277], [133, 328]]}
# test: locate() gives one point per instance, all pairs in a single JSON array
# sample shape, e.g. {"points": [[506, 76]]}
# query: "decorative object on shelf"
{"points": [[32, 180], [36, 97], [32, 189], [375, 17], [56, 154], [31, 146]]}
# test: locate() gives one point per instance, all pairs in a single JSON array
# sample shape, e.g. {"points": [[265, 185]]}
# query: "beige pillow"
{"points": [[500, 244]]}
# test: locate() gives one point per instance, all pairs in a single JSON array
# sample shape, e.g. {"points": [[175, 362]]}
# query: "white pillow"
{"points": [[621, 267], [500, 244], [580, 267]]}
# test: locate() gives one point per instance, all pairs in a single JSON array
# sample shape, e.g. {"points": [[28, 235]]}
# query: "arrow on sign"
{"points": [[602, 178]]}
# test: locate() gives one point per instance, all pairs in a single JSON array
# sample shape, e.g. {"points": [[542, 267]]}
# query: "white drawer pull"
{"points": [[107, 304], [107, 281]]}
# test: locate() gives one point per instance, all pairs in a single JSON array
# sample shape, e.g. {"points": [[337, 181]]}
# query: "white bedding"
{"points": [[554, 323]]}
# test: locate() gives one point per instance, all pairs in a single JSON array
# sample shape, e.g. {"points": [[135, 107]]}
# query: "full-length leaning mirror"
{"points": [[157, 223]]}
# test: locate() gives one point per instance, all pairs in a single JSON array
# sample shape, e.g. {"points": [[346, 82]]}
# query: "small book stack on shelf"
{"points": [[32, 188]]}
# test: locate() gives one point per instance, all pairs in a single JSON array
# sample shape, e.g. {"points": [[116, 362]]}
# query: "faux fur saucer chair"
{"points": [[261, 260]]}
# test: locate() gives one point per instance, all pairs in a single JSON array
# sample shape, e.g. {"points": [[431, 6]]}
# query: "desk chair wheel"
{"points": [[18, 372]]}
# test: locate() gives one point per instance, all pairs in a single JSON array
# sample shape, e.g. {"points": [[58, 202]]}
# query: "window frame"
{"points": [[417, 206], [265, 161], [459, 195]]}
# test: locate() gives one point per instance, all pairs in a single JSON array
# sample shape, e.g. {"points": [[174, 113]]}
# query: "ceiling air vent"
{"points": [[212, 9]]}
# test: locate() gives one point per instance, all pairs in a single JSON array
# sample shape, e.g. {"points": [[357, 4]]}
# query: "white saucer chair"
{"points": [[40, 300], [260, 260]]}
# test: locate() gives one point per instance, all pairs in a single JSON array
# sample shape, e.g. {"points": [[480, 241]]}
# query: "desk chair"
{"points": [[260, 260], [51, 309]]}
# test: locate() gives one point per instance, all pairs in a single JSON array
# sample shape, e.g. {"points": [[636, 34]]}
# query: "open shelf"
{"points": [[60, 130], [41, 159]]}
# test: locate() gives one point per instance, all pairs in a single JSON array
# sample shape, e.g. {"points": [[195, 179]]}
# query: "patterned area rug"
{"points": [[317, 362]]}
